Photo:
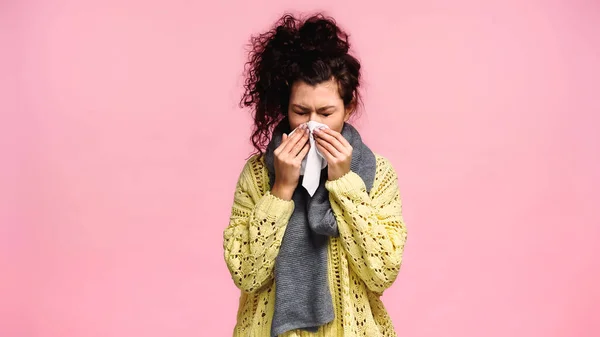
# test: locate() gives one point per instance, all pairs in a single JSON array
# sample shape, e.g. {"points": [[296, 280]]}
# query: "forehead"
{"points": [[322, 93]]}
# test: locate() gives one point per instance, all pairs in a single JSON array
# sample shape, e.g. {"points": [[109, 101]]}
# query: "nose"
{"points": [[314, 117]]}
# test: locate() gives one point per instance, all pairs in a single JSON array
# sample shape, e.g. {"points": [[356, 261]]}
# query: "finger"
{"points": [[298, 135], [338, 141], [339, 137], [304, 151], [330, 139], [330, 148], [300, 145], [284, 138], [328, 156]]}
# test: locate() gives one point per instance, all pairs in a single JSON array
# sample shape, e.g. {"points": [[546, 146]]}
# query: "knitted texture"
{"points": [[302, 296], [362, 262]]}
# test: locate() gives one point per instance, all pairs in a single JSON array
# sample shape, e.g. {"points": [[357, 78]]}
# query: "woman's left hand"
{"points": [[337, 152]]}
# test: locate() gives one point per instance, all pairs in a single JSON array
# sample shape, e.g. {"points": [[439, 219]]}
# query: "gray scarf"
{"points": [[302, 295]]}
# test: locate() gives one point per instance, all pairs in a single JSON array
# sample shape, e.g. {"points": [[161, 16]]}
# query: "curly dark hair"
{"points": [[313, 50]]}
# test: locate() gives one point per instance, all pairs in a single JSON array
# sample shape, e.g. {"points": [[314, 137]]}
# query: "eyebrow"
{"points": [[302, 107]]}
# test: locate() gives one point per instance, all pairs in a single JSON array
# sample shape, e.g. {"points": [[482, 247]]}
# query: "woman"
{"points": [[311, 253]]}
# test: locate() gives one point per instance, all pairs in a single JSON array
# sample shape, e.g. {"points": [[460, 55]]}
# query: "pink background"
{"points": [[121, 143]]}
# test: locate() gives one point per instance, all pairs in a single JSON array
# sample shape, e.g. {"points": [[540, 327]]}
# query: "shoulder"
{"points": [[386, 178], [384, 166], [256, 163], [254, 175]]}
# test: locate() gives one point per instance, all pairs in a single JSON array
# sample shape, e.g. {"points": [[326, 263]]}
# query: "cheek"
{"points": [[335, 124], [337, 128], [294, 121]]}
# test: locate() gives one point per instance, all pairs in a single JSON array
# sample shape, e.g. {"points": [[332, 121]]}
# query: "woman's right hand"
{"points": [[288, 160]]}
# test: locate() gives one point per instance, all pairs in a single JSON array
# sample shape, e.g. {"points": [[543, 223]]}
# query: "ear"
{"points": [[350, 110], [347, 114]]}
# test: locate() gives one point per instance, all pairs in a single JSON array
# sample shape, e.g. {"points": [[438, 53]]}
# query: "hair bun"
{"points": [[322, 36], [313, 50]]}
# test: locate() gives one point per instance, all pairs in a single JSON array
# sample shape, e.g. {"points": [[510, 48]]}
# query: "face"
{"points": [[320, 103]]}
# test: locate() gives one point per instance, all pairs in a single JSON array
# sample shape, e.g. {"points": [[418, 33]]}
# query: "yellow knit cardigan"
{"points": [[362, 262]]}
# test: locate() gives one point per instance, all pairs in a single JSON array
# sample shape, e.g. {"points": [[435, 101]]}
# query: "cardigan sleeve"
{"points": [[252, 239], [372, 230]]}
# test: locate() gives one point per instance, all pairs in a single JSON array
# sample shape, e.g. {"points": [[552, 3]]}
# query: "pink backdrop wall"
{"points": [[121, 144]]}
